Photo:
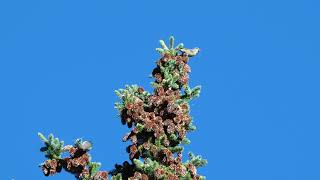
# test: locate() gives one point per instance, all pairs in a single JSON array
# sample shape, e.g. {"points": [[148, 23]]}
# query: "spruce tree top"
{"points": [[158, 123]]}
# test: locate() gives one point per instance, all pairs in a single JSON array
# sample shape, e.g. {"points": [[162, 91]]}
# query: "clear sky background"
{"points": [[258, 115]]}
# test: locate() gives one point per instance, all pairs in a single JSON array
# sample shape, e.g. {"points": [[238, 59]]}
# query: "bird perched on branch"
{"points": [[190, 52]]}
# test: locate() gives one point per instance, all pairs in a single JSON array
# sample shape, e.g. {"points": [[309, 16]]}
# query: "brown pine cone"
{"points": [[101, 175], [50, 167]]}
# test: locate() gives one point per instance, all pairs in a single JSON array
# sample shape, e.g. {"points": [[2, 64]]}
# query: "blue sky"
{"points": [[258, 114]]}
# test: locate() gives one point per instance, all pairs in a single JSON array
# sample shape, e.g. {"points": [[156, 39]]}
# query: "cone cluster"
{"points": [[160, 122]]}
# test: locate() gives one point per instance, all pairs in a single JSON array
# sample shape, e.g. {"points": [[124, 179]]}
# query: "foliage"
{"points": [[53, 146]]}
